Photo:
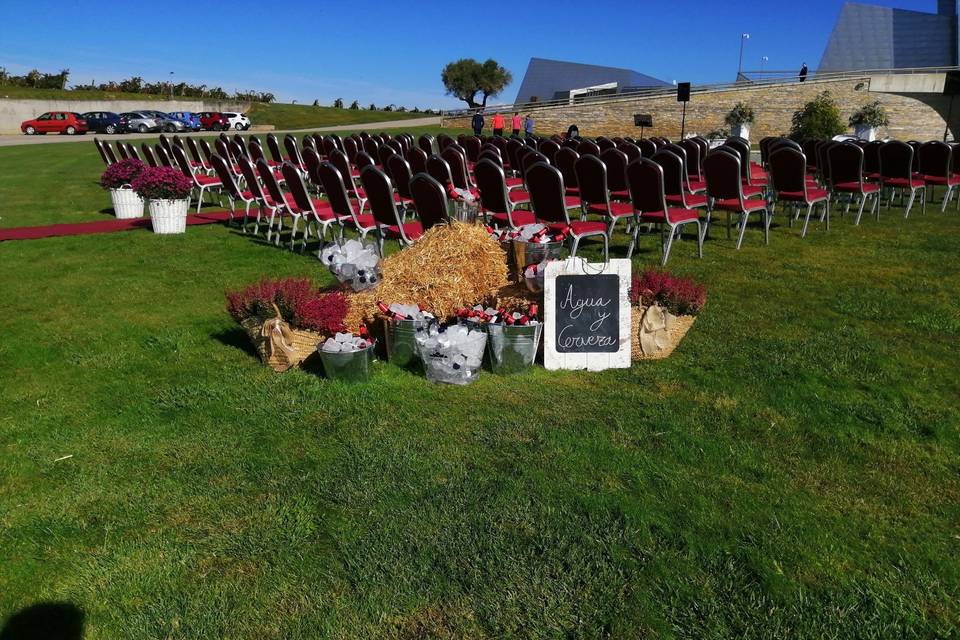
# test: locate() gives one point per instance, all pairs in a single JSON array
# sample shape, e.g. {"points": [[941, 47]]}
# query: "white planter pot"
{"points": [[126, 203], [865, 132], [169, 216], [741, 130]]}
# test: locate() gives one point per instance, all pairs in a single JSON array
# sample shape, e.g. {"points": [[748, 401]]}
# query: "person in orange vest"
{"points": [[517, 122], [498, 124]]}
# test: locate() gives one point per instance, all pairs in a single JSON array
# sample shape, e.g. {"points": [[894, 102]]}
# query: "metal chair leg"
{"points": [[743, 226]]}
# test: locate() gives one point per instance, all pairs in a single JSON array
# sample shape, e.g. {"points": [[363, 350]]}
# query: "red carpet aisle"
{"points": [[100, 226]]}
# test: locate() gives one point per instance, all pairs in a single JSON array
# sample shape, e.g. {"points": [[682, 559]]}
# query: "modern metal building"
{"points": [[558, 80], [871, 37]]}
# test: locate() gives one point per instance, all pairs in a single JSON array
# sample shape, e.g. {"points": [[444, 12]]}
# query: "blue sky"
{"points": [[392, 52]]}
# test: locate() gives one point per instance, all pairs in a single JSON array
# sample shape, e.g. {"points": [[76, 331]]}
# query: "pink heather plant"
{"points": [[680, 296], [162, 183]]}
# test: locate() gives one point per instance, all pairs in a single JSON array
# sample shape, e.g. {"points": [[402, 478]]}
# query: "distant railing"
{"points": [[771, 78]]}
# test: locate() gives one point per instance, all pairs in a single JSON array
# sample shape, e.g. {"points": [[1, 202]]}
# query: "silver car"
{"points": [[166, 123], [139, 122]]}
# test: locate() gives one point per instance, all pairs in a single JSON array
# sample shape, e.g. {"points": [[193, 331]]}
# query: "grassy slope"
{"points": [[791, 471], [29, 93]]}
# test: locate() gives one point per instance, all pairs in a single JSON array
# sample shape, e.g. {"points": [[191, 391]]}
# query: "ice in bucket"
{"points": [[451, 354], [353, 262]]}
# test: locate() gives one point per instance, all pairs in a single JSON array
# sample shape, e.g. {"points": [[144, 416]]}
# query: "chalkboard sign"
{"points": [[586, 309], [587, 315]]}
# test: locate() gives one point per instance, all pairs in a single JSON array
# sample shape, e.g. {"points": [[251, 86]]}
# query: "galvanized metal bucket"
{"points": [[512, 348], [348, 366], [402, 340], [527, 253]]}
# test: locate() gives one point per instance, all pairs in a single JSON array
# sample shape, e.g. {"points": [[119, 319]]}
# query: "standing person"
{"points": [[516, 121], [477, 123], [573, 131], [498, 124], [803, 72], [528, 126]]}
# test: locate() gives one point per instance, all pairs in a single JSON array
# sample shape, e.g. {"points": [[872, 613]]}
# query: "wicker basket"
{"points": [[279, 345], [676, 329]]}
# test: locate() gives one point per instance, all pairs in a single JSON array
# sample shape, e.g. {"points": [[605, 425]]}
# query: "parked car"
{"points": [[187, 117], [238, 121], [139, 122], [102, 121], [213, 121], [55, 122], [167, 123]]}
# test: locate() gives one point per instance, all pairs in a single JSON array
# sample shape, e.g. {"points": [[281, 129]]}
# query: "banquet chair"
{"points": [[500, 205], [430, 200], [377, 186], [547, 197], [649, 201], [790, 184], [725, 192]]}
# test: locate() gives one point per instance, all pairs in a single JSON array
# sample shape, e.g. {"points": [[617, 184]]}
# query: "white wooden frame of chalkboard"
{"points": [[552, 359]]}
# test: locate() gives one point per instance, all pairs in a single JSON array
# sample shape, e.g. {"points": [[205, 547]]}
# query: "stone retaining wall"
{"points": [[920, 116]]}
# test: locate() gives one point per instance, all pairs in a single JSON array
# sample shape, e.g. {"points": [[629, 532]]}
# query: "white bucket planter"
{"points": [[169, 216], [741, 130], [126, 203], [865, 132]]}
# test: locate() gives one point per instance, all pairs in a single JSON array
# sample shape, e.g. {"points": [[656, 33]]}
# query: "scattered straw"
{"points": [[450, 267]]}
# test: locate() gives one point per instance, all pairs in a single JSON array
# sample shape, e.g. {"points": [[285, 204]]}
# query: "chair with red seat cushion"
{"points": [[871, 161], [721, 169], [788, 175], [674, 174], [400, 175], [417, 159], [457, 162], [335, 188], [547, 196], [379, 190], [340, 161], [371, 146], [593, 176], [549, 148], [616, 162], [425, 143], [692, 186], [201, 183], [313, 212], [147, 152], [499, 205], [845, 162], [936, 168], [349, 148], [255, 191], [232, 191], [588, 148], [631, 150], [430, 200], [163, 158], [896, 173], [198, 160], [279, 205], [694, 163], [645, 178]]}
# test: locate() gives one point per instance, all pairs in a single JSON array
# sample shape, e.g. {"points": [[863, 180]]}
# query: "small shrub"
{"points": [[299, 303], [679, 296], [162, 183], [819, 118], [121, 173], [871, 115], [740, 114]]}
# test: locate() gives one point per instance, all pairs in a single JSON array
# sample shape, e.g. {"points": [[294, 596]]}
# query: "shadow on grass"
{"points": [[237, 338], [45, 621]]}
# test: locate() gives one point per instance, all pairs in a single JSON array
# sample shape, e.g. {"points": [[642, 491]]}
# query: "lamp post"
{"points": [[763, 63], [743, 37], [171, 85]]}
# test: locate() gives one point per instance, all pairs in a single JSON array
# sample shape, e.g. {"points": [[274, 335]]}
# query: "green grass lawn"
{"points": [[792, 471]]}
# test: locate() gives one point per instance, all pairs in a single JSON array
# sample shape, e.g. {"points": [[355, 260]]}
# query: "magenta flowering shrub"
{"points": [[299, 303], [679, 296], [162, 183], [121, 173]]}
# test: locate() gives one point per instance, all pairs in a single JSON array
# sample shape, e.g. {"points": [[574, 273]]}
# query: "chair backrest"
{"points": [[274, 148], [896, 160], [417, 158], [672, 171], [339, 160], [297, 188], [694, 157], [530, 158], [194, 151], [514, 152], [349, 148], [645, 178], [371, 146], [383, 153], [131, 151], [425, 142], [430, 200], [307, 142], [566, 162], [399, 172], [439, 170], [457, 162], [935, 159], [335, 189], [380, 194], [823, 159], [311, 160], [491, 182], [547, 193], [493, 157], [631, 150], [206, 151], [647, 147], [780, 143], [443, 140], [111, 156], [616, 162], [148, 156], [269, 181], [846, 163], [237, 150], [364, 159], [605, 143], [396, 146], [472, 145], [226, 177], [293, 153], [871, 157], [165, 143], [591, 175], [103, 155], [254, 138], [162, 156], [721, 171], [122, 151], [249, 174], [549, 148], [588, 147], [915, 145], [180, 158], [788, 170], [809, 148]]}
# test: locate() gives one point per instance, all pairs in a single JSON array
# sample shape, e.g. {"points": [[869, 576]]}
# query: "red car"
{"points": [[55, 122], [214, 121]]}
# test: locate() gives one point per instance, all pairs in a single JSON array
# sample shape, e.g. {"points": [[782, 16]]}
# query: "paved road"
{"points": [[9, 140]]}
